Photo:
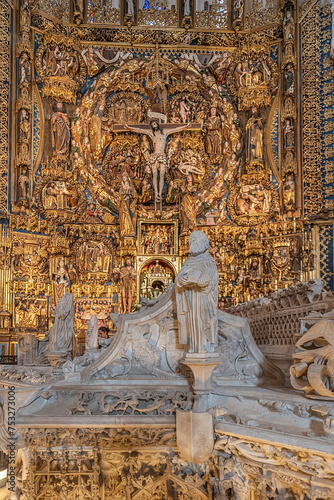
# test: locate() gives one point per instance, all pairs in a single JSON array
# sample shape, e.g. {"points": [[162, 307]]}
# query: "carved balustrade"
{"points": [[275, 321]]}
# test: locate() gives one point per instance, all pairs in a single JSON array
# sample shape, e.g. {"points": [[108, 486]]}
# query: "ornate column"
{"points": [[5, 276], [289, 111], [24, 110], [332, 42], [5, 72]]}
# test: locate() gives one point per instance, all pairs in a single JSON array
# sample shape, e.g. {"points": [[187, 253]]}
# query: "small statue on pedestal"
{"points": [[92, 333], [196, 288], [62, 343]]}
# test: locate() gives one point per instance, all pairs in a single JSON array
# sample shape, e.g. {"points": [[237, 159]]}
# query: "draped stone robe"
{"points": [[197, 305], [61, 336]]}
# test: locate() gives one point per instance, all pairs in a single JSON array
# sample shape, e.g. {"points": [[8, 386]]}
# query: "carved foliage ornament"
{"points": [[69, 474], [128, 402], [313, 371], [311, 464]]}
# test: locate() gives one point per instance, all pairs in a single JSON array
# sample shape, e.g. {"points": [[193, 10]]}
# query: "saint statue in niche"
{"points": [[289, 79], [60, 126], [196, 289], [289, 134], [289, 194], [24, 68], [288, 26], [254, 137], [24, 126], [61, 281], [23, 185], [24, 15], [127, 278], [188, 206], [211, 130], [127, 206]]}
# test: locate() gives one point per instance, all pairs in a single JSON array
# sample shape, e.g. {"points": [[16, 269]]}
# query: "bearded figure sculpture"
{"points": [[196, 290]]}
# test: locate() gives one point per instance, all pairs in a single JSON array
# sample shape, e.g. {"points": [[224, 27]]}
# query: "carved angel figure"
{"points": [[314, 370]]}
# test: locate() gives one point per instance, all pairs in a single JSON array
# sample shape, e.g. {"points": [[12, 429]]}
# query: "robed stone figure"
{"points": [[61, 336], [196, 290], [92, 334]]}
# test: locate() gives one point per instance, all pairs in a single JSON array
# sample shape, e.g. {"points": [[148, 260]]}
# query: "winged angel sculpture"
{"points": [[313, 371]]}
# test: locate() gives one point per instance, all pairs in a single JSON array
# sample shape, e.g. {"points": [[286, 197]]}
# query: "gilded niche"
{"points": [[252, 76], [60, 66]]}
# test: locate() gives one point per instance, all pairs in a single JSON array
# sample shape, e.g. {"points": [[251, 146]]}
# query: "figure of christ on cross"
{"points": [[158, 160]]}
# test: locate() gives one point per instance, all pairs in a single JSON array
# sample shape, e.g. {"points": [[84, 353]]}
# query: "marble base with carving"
{"points": [[202, 366], [57, 360]]}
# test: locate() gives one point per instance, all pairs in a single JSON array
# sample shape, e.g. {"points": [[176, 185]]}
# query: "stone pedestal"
{"points": [[56, 360], [27, 349], [194, 435], [202, 366]]}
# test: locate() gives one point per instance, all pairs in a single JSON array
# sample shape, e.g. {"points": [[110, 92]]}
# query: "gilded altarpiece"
{"points": [[127, 137], [126, 125]]}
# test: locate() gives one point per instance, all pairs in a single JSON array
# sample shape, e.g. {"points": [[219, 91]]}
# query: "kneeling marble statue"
{"points": [[196, 290]]}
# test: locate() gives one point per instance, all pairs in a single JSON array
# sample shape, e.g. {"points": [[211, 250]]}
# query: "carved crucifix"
{"points": [[158, 133]]}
